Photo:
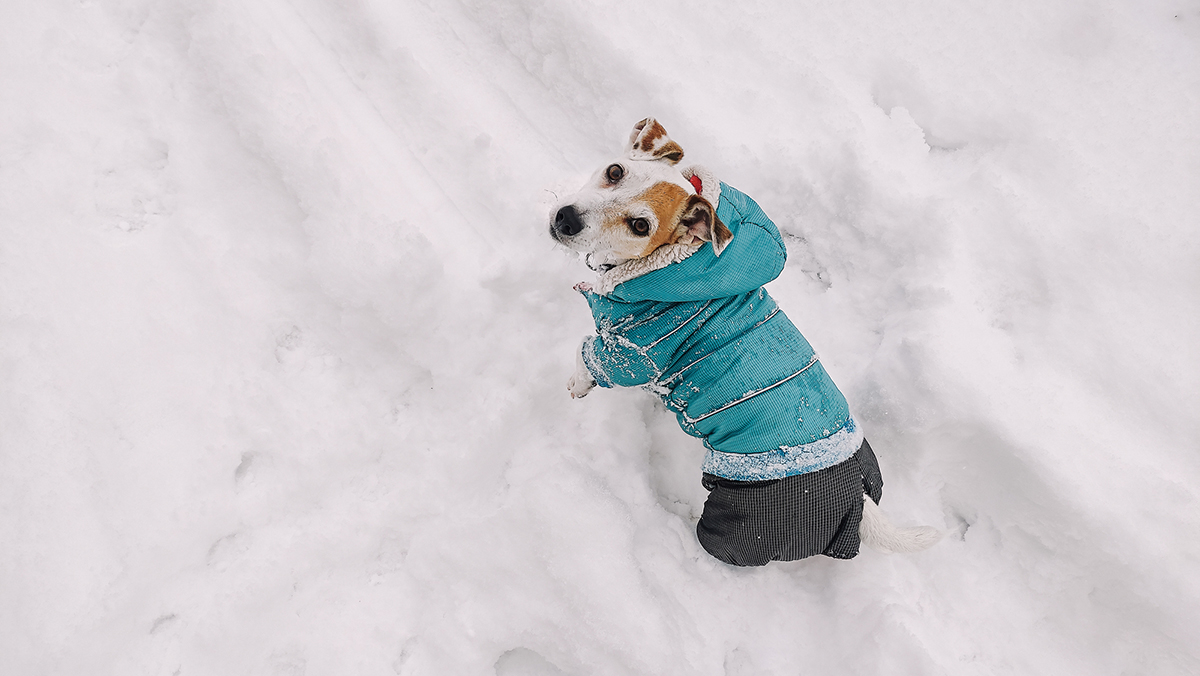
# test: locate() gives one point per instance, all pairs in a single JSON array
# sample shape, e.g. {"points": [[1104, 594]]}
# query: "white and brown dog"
{"points": [[680, 310], [639, 204], [637, 214]]}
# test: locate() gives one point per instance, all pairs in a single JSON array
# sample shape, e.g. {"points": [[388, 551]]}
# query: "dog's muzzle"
{"points": [[566, 223]]}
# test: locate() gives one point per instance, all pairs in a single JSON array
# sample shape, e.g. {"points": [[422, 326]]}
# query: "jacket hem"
{"points": [[787, 460]]}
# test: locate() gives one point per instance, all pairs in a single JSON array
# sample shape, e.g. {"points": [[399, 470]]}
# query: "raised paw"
{"points": [[579, 385]]}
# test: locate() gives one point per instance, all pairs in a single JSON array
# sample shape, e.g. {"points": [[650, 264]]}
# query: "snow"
{"points": [[283, 339]]}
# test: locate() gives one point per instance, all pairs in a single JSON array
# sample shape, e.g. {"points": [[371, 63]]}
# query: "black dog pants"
{"points": [[748, 523]]}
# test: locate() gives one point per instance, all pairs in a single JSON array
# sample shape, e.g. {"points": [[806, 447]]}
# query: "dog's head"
{"points": [[638, 203]]}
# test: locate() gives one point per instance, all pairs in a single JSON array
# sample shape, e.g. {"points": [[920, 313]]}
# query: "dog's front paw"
{"points": [[579, 385], [581, 382]]}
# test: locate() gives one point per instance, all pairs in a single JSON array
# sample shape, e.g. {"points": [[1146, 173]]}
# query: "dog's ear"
{"points": [[649, 141], [701, 222]]}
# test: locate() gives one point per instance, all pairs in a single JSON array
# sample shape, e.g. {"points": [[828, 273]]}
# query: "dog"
{"points": [[680, 310]]}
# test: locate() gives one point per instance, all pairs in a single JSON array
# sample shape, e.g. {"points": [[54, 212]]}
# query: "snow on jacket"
{"points": [[704, 335]]}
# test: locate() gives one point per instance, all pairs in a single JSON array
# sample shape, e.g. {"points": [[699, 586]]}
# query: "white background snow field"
{"points": [[284, 340]]}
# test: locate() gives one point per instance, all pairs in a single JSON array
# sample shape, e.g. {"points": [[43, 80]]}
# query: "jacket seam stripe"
{"points": [[685, 323], [693, 421]]}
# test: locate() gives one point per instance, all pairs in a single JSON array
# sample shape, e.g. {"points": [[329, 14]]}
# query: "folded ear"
{"points": [[702, 223], [649, 141]]}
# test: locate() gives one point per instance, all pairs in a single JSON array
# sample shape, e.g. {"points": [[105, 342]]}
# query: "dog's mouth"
{"points": [[564, 228], [599, 263]]}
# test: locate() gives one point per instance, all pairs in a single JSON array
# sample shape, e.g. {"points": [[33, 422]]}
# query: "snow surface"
{"points": [[283, 339]]}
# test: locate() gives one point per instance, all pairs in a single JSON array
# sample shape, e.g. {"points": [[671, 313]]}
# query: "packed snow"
{"points": [[284, 340]]}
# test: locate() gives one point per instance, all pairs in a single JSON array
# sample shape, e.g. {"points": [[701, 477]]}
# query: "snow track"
{"points": [[283, 340]]}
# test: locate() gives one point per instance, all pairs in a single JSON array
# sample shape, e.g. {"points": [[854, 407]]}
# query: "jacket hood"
{"points": [[755, 256]]}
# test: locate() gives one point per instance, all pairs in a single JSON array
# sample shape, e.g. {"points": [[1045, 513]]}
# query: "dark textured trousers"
{"points": [[749, 523]]}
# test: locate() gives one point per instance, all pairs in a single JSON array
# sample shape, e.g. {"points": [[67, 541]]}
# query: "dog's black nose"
{"points": [[567, 222]]}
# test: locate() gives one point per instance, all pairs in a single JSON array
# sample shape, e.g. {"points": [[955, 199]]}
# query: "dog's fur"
{"points": [[647, 188], [640, 207]]}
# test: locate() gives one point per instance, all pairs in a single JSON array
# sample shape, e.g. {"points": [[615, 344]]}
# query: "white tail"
{"points": [[877, 532]]}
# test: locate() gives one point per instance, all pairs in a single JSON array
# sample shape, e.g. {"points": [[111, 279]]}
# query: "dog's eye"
{"points": [[614, 173], [640, 227]]}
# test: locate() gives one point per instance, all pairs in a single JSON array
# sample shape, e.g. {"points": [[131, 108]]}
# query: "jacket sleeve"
{"points": [[613, 360], [613, 357]]}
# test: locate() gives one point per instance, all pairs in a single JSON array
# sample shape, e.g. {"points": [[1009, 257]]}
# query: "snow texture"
{"points": [[283, 337]]}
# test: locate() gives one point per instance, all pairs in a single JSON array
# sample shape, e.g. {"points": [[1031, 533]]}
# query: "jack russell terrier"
{"points": [[680, 310]]}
